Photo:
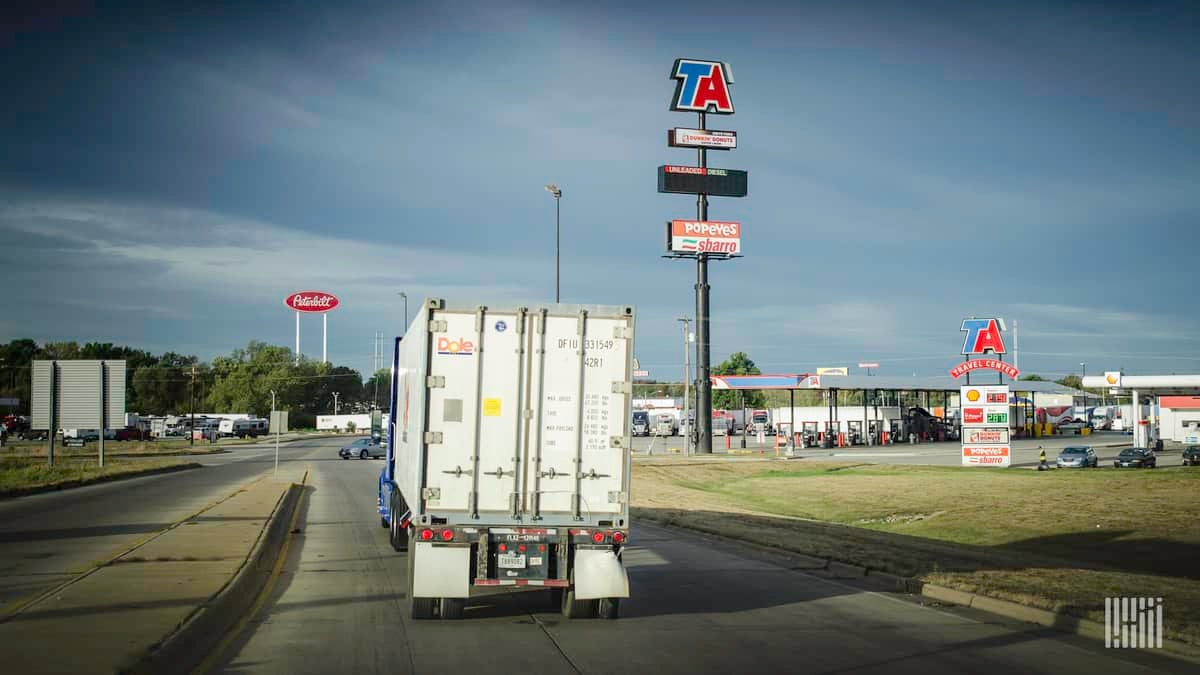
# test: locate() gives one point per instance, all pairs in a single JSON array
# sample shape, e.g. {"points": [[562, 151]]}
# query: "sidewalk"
{"points": [[109, 618]]}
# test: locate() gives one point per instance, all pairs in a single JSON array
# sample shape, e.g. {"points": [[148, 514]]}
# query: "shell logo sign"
{"points": [[973, 395], [1113, 378]]}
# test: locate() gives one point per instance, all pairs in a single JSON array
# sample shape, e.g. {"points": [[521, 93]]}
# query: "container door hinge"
{"points": [[616, 442], [528, 413], [431, 493], [438, 326], [433, 437], [622, 387], [617, 497], [622, 332], [435, 381]]}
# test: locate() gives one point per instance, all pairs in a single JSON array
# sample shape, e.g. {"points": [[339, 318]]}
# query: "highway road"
{"points": [[698, 606], [48, 538]]}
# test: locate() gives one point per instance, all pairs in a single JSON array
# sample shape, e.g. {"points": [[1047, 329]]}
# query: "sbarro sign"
{"points": [[704, 236]]}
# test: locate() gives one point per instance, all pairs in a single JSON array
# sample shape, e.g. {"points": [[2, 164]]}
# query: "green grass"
{"points": [[1058, 539], [22, 474]]}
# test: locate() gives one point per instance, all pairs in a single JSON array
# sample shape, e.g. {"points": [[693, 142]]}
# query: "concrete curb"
{"points": [[835, 569], [22, 492], [193, 641], [1066, 623]]}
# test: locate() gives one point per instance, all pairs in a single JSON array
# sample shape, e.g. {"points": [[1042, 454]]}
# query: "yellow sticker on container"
{"points": [[491, 407]]}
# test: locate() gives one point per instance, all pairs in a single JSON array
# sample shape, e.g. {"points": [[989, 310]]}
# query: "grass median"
{"points": [[1061, 540], [23, 475]]}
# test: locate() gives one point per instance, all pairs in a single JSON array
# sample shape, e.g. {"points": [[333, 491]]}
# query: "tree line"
{"points": [[240, 382]]}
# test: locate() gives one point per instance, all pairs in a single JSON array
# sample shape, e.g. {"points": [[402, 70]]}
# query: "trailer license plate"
{"points": [[511, 561]]}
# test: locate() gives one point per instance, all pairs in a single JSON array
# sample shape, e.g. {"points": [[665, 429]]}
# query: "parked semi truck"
{"points": [[508, 455]]}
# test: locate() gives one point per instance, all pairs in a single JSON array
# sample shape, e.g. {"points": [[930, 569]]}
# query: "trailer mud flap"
{"points": [[441, 571], [598, 574]]}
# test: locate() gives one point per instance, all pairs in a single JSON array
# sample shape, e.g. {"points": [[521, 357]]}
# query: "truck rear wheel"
{"points": [[397, 536], [609, 608], [419, 608], [576, 609]]}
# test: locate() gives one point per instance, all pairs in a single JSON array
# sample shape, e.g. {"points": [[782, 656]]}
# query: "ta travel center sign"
{"points": [[983, 337], [985, 425]]}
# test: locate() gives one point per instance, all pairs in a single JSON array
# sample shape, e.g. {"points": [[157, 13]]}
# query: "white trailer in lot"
{"points": [[508, 455]]}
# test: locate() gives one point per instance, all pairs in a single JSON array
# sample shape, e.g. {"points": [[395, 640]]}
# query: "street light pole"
{"points": [[687, 371], [405, 296], [1084, 367], [554, 190], [335, 403]]}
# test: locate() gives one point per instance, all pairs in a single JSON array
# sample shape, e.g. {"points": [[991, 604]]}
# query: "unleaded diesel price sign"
{"points": [[694, 180]]}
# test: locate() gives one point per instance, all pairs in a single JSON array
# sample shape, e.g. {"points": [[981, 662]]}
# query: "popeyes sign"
{"points": [[703, 236], [311, 301]]}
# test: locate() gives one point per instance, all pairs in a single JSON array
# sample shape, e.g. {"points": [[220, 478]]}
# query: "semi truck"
{"points": [[508, 456]]}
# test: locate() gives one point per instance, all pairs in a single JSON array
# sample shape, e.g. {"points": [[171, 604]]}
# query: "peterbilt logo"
{"points": [[311, 301]]}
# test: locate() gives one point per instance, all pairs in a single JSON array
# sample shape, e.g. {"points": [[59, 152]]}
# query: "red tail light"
{"points": [[521, 548], [618, 537], [598, 537], [426, 534], [503, 547], [447, 535]]}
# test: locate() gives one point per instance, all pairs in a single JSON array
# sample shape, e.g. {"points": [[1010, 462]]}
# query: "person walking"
{"points": [[1041, 458]]}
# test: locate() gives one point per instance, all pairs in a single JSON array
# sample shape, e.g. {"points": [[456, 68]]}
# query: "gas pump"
{"points": [[808, 434], [872, 433], [830, 437], [855, 433]]}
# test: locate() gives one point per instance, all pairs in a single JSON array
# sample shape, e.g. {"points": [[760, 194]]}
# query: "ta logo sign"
{"points": [[983, 336], [703, 86]]}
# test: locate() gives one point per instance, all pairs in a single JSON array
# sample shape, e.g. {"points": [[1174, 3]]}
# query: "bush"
{"points": [[351, 426]]}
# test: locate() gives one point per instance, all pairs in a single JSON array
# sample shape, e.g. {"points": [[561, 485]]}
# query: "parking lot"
{"points": [[1107, 445]]}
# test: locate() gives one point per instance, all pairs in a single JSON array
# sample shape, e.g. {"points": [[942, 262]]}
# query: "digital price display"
{"points": [[694, 180]]}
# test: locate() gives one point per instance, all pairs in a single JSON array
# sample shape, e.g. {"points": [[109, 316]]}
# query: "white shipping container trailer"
{"points": [[508, 458]]}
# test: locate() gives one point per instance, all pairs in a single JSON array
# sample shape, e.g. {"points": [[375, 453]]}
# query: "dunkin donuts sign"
{"points": [[311, 301]]}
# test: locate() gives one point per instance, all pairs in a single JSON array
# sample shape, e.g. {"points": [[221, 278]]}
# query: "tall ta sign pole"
{"points": [[702, 87]]}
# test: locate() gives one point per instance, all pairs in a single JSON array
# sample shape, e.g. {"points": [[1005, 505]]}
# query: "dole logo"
{"points": [[703, 86], [983, 336], [461, 346]]}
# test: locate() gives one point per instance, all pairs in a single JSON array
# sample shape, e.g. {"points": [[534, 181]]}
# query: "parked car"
{"points": [[1191, 455], [1077, 457], [1072, 425], [1136, 458], [362, 449]]}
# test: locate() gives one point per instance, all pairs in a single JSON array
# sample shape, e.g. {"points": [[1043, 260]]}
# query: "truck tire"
{"points": [[452, 608], [419, 608], [397, 536], [609, 608], [576, 609]]}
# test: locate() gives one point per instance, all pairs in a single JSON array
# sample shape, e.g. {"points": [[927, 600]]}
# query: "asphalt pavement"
{"points": [[697, 606]]}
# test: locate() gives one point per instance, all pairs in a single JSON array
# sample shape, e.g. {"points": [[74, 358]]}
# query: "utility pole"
{"points": [[335, 402], [687, 372], [275, 423], [1016, 347], [192, 396]]}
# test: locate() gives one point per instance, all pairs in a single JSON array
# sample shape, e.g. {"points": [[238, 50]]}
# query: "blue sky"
{"points": [[170, 175]]}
